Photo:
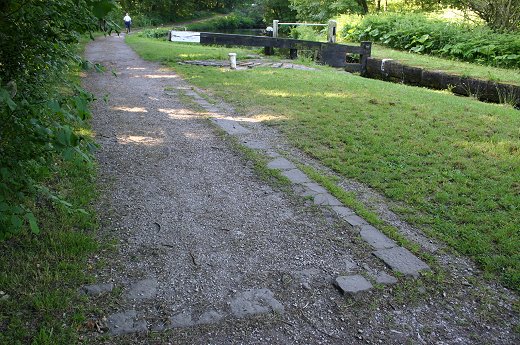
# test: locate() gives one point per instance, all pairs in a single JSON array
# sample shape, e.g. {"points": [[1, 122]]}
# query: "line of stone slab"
{"points": [[484, 90], [398, 258]]}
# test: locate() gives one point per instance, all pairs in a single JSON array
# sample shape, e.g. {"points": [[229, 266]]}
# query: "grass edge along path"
{"points": [[455, 160], [40, 274]]}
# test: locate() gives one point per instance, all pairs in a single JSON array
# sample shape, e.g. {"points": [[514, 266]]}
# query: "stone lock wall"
{"points": [[489, 91]]}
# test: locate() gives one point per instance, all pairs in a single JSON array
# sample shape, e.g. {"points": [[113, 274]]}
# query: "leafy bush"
{"points": [[308, 33], [231, 21], [154, 33], [40, 108], [419, 34]]}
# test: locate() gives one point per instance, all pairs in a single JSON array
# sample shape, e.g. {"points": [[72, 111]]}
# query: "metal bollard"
{"points": [[233, 60]]}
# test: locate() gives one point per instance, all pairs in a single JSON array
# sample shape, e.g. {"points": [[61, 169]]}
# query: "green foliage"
{"points": [[41, 274], [501, 15], [277, 9], [231, 21], [323, 10], [419, 34], [39, 106], [154, 33], [309, 33], [155, 12]]}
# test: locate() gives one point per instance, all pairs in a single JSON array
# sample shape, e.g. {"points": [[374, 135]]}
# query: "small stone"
{"points": [[232, 127], [326, 199], [281, 163], [355, 220], [125, 322], [401, 260], [343, 211], [375, 237], [97, 289], [210, 317], [314, 189], [296, 176], [385, 278], [143, 289], [255, 301], [353, 285], [181, 320]]}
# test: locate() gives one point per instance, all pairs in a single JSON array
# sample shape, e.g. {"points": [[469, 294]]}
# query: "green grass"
{"points": [[453, 163], [40, 274], [509, 76], [169, 52]]}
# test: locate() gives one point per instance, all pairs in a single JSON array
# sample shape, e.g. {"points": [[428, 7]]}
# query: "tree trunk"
{"points": [[364, 5]]}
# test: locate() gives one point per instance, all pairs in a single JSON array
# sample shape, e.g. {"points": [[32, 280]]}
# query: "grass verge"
{"points": [[40, 274], [453, 162]]}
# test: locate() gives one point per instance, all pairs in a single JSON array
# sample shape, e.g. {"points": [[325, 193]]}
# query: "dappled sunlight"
{"points": [[179, 113], [252, 119], [190, 56], [268, 117], [160, 76], [138, 139], [503, 149], [193, 135], [280, 93], [131, 110], [136, 68]]}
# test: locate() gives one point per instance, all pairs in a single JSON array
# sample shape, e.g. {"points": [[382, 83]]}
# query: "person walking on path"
{"points": [[128, 22]]}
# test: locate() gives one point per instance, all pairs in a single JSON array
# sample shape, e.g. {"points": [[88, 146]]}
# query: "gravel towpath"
{"points": [[208, 253]]}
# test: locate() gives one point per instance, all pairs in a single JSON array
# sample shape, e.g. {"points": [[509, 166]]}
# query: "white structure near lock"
{"points": [[233, 60]]}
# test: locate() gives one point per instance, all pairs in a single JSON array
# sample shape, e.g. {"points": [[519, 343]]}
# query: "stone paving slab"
{"points": [[402, 260], [314, 189], [376, 238], [143, 289], [182, 320], [352, 285], [296, 176], [231, 127], [385, 278], [97, 289], [326, 199], [355, 220], [342, 211], [255, 301], [125, 322], [281, 163], [210, 317], [256, 144]]}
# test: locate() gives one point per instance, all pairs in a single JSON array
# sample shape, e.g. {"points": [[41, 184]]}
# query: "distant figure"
{"points": [[128, 22]]}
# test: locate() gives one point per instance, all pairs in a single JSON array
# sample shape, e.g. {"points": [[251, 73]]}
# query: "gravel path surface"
{"points": [[208, 253]]}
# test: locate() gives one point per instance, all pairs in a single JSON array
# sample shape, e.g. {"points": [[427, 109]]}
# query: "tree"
{"points": [[278, 9], [500, 15], [322, 10]]}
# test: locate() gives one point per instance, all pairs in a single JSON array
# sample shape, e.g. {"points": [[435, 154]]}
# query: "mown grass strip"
{"points": [[454, 162]]}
